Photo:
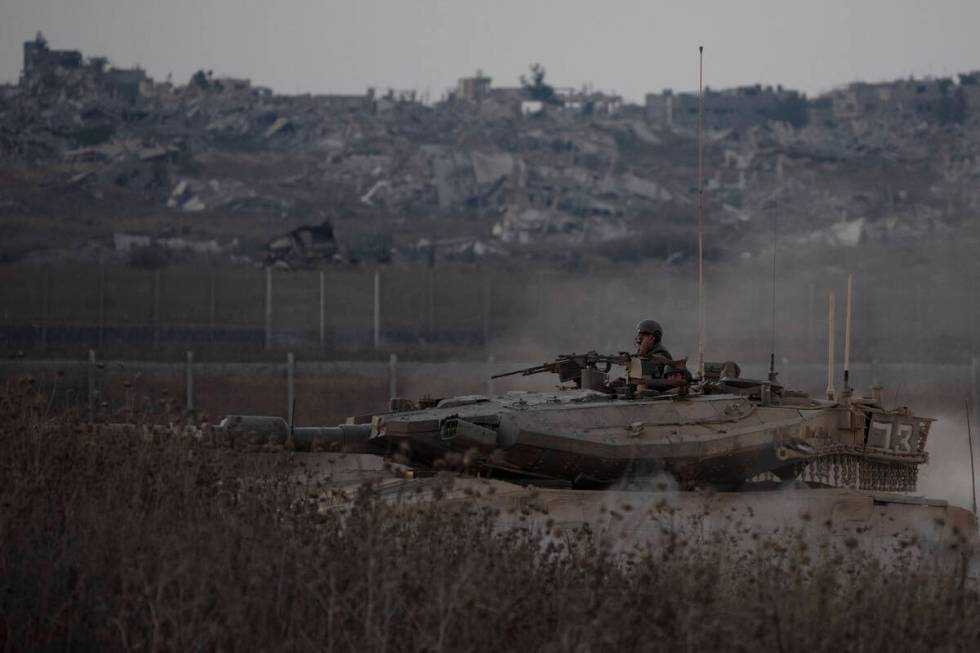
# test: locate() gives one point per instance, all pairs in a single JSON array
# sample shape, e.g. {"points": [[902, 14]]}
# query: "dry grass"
{"points": [[116, 542]]}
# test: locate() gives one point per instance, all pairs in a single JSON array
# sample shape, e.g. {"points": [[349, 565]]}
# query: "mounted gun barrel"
{"points": [[569, 367], [351, 438]]}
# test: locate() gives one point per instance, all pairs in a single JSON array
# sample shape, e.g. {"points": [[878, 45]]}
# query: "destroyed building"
{"points": [[918, 99], [67, 69], [304, 246], [39, 59], [739, 108], [473, 89], [488, 170]]}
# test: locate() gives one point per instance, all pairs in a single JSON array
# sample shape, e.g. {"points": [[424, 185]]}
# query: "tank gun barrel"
{"points": [[351, 438]]}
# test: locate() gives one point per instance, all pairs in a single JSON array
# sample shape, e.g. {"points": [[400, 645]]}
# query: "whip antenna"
{"points": [[700, 212], [973, 471], [847, 338], [830, 347], [772, 326]]}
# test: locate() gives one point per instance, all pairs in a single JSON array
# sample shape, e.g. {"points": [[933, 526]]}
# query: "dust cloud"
{"points": [[911, 304], [948, 474]]}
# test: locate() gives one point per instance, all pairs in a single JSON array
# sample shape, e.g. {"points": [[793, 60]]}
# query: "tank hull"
{"points": [[584, 436]]}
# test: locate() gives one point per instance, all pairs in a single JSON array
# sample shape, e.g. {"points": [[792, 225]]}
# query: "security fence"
{"points": [[326, 392], [513, 309]]}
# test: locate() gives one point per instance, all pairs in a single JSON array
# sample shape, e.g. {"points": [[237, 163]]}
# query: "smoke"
{"points": [[948, 474], [908, 307]]}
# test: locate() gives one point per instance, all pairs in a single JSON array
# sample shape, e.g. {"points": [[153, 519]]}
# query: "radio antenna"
{"points": [[847, 338], [700, 212], [772, 326], [830, 347], [973, 471]]}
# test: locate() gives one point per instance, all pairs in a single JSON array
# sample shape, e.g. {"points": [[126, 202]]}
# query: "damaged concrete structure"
{"points": [[919, 99], [590, 171], [304, 246], [473, 89], [737, 108]]}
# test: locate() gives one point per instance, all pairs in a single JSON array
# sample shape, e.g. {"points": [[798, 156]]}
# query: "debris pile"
{"points": [[582, 169], [304, 246]]}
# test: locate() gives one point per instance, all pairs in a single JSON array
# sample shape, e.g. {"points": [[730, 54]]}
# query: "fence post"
{"points": [[156, 309], [377, 309], [190, 381], [919, 310], [91, 385], [430, 301], [487, 289], [323, 313], [392, 376], [44, 309], [268, 308], [101, 302], [211, 303], [290, 387], [490, 366], [810, 344]]}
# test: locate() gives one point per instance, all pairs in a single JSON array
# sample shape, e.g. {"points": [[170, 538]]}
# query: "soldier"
{"points": [[648, 339]]}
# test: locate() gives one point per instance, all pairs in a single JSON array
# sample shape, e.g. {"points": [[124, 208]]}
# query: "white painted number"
{"points": [[903, 439]]}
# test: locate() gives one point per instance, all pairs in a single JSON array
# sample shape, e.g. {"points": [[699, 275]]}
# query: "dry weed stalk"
{"points": [[116, 541]]}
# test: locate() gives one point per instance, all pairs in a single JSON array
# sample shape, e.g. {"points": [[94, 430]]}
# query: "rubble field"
{"points": [[88, 152]]}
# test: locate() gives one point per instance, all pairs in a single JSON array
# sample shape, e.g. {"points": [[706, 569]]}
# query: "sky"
{"points": [[628, 46]]}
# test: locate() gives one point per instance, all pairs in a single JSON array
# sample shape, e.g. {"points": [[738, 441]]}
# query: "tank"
{"points": [[710, 448], [722, 431]]}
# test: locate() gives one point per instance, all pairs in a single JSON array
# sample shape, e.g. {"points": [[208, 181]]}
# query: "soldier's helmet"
{"points": [[650, 326]]}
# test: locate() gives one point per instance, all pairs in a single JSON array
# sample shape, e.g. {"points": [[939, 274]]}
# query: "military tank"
{"points": [[715, 454], [722, 431]]}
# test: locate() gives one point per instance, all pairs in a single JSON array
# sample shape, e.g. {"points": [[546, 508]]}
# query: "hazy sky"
{"points": [[627, 46]]}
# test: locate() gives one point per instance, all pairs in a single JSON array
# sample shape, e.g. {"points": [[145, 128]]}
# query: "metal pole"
{"points": [[323, 313], [91, 384], [847, 337], [392, 376], [377, 309], [44, 309], [290, 387], [810, 314], [156, 309], [211, 307], [973, 471], [268, 308], [430, 301], [919, 308], [101, 302], [772, 306], [830, 347], [487, 290], [701, 315], [490, 366], [190, 381]]}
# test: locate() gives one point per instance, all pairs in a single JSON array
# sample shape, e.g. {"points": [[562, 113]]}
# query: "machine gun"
{"points": [[569, 367], [589, 370]]}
